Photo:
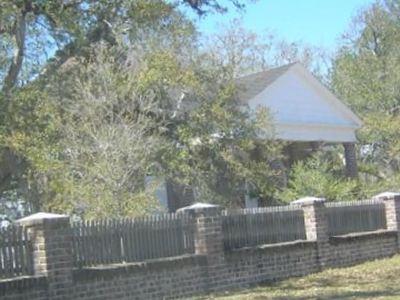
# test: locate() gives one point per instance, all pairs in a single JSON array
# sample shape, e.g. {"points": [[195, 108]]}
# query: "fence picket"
{"points": [[356, 216], [128, 240], [15, 252], [250, 227]]}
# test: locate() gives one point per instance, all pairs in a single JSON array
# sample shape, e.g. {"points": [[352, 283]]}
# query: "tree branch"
{"points": [[19, 33], [100, 32]]}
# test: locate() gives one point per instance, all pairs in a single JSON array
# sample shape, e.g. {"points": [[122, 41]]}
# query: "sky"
{"points": [[319, 23]]}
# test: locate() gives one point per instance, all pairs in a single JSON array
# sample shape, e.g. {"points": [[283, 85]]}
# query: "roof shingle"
{"points": [[251, 85]]}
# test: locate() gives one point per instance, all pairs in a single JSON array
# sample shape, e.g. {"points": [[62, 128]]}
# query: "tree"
{"points": [[242, 51], [366, 75], [142, 102], [108, 137], [127, 113], [39, 39], [67, 28], [216, 147]]}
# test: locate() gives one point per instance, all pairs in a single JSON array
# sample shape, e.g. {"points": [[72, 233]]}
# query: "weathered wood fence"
{"points": [[102, 242], [15, 252], [251, 227], [355, 216], [130, 240]]}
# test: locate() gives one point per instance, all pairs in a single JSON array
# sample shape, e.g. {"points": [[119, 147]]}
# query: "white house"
{"points": [[302, 108], [303, 111]]}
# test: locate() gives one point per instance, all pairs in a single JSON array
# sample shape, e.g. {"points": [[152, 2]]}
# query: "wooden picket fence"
{"points": [[15, 252], [251, 227], [355, 216], [130, 240], [101, 242]]}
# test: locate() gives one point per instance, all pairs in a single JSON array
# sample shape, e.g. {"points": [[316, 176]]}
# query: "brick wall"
{"points": [[159, 279], [209, 269], [269, 263], [356, 248], [33, 288]]}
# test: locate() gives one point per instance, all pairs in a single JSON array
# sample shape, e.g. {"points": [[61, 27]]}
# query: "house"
{"points": [[304, 112]]}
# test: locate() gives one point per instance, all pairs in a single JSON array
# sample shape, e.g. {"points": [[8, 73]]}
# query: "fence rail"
{"points": [[355, 216], [130, 240], [251, 227], [15, 252]]}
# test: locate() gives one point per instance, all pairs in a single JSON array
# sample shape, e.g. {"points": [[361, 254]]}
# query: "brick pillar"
{"points": [[316, 226], [208, 239], [51, 239], [392, 211], [351, 160]]}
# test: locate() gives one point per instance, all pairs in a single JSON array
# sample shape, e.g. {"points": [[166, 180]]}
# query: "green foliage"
{"points": [[89, 100], [215, 148], [130, 93], [315, 177], [366, 74], [29, 144], [124, 114], [108, 136]]}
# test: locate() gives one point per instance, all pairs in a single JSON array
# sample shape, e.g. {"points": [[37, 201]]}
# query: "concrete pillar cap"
{"points": [[198, 206], [387, 195], [40, 218], [308, 201]]}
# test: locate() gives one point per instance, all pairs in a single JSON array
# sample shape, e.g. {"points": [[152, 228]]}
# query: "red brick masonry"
{"points": [[210, 269]]}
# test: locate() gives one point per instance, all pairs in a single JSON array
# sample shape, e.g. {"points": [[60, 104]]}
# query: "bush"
{"points": [[316, 177]]}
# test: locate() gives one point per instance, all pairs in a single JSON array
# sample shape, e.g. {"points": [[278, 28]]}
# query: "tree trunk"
{"points": [[351, 160]]}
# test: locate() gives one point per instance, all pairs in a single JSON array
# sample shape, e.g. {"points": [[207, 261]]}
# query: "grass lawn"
{"points": [[372, 280]]}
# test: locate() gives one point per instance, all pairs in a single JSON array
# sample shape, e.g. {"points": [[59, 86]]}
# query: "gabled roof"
{"points": [[302, 107], [250, 86], [253, 84]]}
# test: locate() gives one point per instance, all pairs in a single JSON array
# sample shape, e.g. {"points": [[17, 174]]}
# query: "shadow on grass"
{"points": [[314, 282], [289, 289], [380, 279], [335, 296]]}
